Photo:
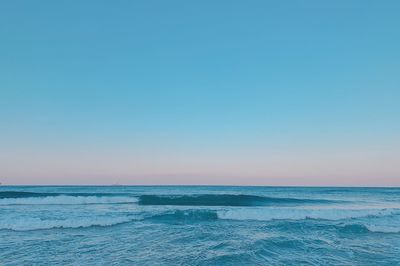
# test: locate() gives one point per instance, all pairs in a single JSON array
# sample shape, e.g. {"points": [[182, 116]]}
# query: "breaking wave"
{"points": [[203, 215], [267, 214], [383, 229], [30, 224]]}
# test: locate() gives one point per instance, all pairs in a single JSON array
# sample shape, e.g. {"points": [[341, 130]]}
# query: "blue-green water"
{"points": [[171, 225]]}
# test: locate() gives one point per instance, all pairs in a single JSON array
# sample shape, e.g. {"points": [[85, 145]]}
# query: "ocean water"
{"points": [[198, 225]]}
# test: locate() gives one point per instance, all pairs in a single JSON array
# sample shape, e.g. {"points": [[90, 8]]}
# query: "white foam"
{"points": [[267, 214], [383, 229], [30, 223], [63, 200]]}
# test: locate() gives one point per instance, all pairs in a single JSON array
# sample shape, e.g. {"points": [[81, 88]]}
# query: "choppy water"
{"points": [[199, 226]]}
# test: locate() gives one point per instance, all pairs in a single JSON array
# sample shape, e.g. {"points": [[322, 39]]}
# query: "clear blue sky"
{"points": [[200, 92]]}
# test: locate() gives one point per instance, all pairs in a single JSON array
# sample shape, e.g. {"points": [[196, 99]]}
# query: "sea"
{"points": [[199, 225]]}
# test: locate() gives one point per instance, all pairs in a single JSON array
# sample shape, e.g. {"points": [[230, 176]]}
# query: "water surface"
{"points": [[192, 225]]}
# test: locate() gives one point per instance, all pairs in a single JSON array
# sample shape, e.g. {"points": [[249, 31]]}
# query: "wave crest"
{"points": [[30, 224], [267, 214], [223, 200], [67, 200]]}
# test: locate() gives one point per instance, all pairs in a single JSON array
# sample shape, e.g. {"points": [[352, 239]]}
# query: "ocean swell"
{"points": [[67, 200], [23, 194], [26, 194], [223, 200]]}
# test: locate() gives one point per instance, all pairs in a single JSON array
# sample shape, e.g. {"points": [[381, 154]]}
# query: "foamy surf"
{"points": [[268, 214], [30, 224], [383, 228]]}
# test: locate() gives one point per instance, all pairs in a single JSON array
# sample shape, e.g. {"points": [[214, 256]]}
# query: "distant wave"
{"points": [[68, 200], [25, 194], [30, 224], [223, 200], [27, 198]]}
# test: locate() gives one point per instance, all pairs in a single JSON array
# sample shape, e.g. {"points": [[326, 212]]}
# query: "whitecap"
{"points": [[32, 223], [267, 214]]}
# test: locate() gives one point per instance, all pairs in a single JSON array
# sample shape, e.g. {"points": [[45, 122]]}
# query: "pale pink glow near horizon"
{"points": [[298, 169]]}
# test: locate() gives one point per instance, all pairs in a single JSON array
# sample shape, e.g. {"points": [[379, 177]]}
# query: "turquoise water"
{"points": [[170, 225]]}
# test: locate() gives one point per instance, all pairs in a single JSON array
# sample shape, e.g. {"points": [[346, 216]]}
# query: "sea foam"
{"points": [[30, 223], [267, 214]]}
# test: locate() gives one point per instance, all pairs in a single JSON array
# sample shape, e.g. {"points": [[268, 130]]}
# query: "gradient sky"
{"points": [[200, 92]]}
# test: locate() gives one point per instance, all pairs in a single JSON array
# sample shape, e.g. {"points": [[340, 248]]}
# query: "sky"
{"points": [[148, 92]]}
